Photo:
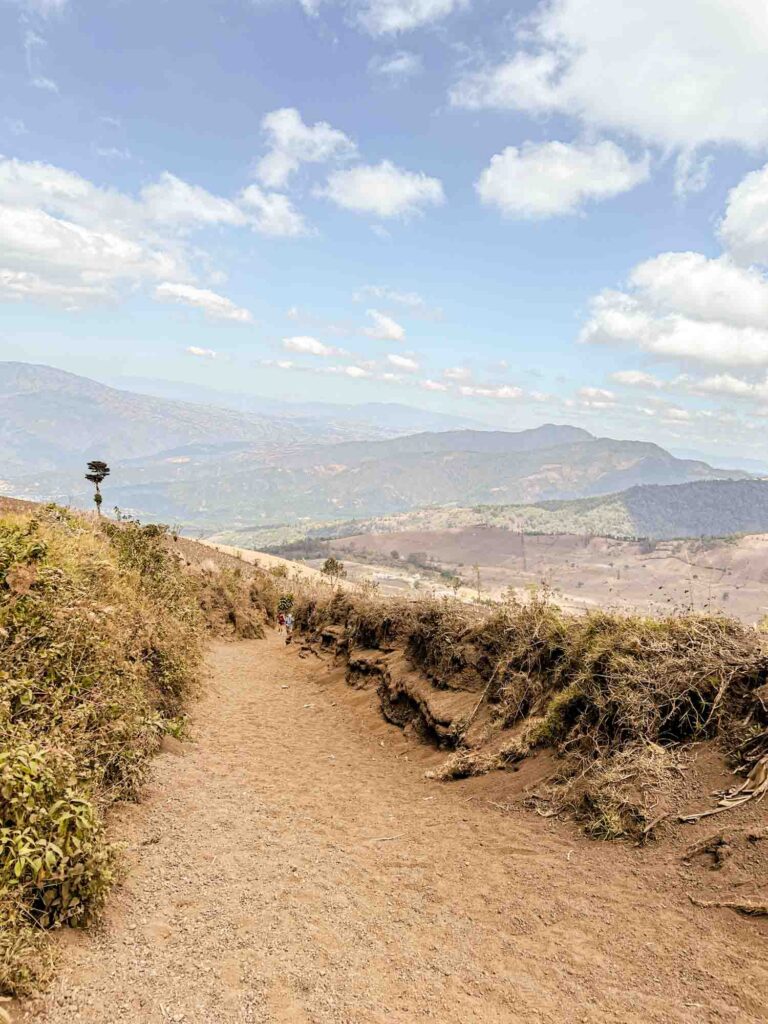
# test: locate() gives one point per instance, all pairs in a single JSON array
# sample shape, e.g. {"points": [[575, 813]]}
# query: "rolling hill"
{"points": [[703, 508]]}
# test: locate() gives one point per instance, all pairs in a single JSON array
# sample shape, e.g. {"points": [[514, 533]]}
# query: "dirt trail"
{"points": [[294, 866]]}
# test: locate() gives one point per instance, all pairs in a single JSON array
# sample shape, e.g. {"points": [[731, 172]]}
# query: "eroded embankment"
{"points": [[620, 700]]}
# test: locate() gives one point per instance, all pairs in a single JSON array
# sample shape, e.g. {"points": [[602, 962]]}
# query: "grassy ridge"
{"points": [[100, 636]]}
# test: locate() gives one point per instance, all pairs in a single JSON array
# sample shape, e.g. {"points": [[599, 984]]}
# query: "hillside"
{"points": [[703, 508], [51, 420]]}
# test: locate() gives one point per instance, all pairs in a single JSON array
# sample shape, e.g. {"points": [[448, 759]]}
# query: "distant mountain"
{"points": [[215, 467], [214, 488], [385, 419], [51, 419], [703, 508]]}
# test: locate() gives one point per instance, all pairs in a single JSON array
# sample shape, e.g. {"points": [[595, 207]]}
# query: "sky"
{"points": [[519, 212]]}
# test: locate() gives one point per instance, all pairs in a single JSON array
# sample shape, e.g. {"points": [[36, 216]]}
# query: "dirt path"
{"points": [[295, 866]]}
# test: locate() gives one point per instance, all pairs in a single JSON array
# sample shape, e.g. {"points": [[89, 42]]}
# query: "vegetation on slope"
{"points": [[100, 636], [705, 508], [618, 697]]}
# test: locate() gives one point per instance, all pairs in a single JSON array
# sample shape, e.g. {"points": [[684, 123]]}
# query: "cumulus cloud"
{"points": [[309, 346], [172, 201], [679, 80], [383, 190], [389, 17], [596, 398], [384, 328], [403, 363], [273, 213], [546, 179], [433, 385], [200, 353], [685, 306], [74, 239], [396, 67], [744, 228], [215, 306], [292, 143]]}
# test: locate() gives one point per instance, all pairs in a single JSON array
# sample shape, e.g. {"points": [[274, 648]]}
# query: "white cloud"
{"points": [[457, 373], [491, 391], [20, 284], [355, 372], [15, 126], [744, 228], [85, 240], [678, 76], [396, 67], [728, 386], [309, 346], [545, 179], [273, 213], [293, 143], [383, 190], [175, 202], [44, 7], [46, 84], [685, 306], [112, 152], [388, 17], [403, 363], [621, 319], [691, 173], [384, 327], [412, 301], [433, 385], [213, 305], [704, 289], [596, 398], [200, 353], [636, 379]]}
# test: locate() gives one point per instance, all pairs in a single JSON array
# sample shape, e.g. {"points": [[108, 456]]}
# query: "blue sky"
{"points": [[520, 212]]}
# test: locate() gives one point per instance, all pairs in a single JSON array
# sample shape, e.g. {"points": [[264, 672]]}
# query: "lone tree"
{"points": [[334, 569], [97, 473]]}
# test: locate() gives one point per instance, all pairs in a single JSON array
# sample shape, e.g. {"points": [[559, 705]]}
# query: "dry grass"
{"points": [[100, 635]]}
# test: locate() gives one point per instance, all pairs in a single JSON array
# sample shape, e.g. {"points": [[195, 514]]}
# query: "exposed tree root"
{"points": [[748, 909], [754, 787]]}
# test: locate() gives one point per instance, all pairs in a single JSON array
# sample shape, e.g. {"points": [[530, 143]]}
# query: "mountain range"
{"points": [[212, 467]]}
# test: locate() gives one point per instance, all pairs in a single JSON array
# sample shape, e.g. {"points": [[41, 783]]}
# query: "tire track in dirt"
{"points": [[293, 866]]}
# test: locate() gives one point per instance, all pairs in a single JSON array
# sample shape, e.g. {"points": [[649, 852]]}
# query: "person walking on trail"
{"points": [[280, 621], [288, 627]]}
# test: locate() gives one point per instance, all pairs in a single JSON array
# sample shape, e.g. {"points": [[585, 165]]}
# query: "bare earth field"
{"points": [[292, 865], [727, 576]]}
